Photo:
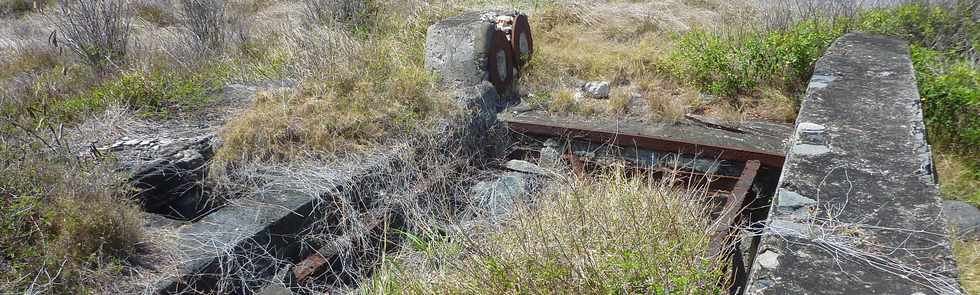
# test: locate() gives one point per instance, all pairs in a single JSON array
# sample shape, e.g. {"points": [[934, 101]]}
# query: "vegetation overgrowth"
{"points": [[944, 40], [603, 234], [67, 225]]}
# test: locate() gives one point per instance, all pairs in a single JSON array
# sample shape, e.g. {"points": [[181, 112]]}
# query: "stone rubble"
{"points": [[525, 167], [596, 89], [168, 172]]}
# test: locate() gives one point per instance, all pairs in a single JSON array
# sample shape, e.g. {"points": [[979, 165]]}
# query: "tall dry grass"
{"points": [[96, 31], [604, 234], [206, 20], [355, 88]]}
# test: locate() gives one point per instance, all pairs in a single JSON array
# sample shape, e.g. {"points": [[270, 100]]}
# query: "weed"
{"points": [[950, 90], [668, 101], [943, 44], [97, 31], [206, 20], [153, 93], [358, 88], [959, 177], [619, 100], [562, 101], [608, 234], [730, 66], [61, 217], [968, 256]]}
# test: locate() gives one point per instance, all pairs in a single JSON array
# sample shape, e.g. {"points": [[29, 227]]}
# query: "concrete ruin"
{"points": [[240, 246], [857, 210]]}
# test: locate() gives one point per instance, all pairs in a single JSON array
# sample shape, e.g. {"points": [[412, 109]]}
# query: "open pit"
{"points": [[292, 235]]}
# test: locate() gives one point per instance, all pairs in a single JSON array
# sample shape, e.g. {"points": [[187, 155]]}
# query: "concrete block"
{"points": [[456, 49], [856, 212]]}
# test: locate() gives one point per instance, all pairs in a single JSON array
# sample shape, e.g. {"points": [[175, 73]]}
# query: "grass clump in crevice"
{"points": [[959, 177], [608, 234]]}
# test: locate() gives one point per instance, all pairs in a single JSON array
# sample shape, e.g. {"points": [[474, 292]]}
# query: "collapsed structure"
{"points": [[856, 180]]}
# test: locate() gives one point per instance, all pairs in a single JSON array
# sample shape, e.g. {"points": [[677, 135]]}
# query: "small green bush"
{"points": [[152, 93], [741, 64], [941, 39], [950, 90]]}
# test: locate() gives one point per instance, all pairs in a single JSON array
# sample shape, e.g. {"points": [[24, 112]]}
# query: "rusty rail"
{"points": [[720, 230], [541, 127], [372, 220]]}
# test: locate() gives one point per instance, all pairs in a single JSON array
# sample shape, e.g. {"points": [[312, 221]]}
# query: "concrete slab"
{"points": [[857, 210], [238, 246]]}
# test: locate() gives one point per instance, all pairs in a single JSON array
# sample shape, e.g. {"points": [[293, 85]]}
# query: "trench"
{"points": [[317, 249], [336, 239], [345, 260]]}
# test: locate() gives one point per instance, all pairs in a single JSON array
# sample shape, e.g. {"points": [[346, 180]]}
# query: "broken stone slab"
{"points": [[525, 166], [498, 196], [169, 178], [596, 89], [964, 218]]}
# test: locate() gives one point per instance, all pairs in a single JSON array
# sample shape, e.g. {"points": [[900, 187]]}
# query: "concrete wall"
{"points": [[857, 210]]}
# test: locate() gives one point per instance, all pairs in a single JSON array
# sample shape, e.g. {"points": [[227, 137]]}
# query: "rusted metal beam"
{"points": [[713, 182], [629, 138], [373, 219], [720, 229]]}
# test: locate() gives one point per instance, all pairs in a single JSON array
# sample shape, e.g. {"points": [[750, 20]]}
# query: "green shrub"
{"points": [[741, 64], [941, 39], [153, 93], [953, 31], [950, 90]]}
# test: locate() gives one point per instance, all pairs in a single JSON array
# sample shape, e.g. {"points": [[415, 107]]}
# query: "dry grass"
{"points": [[562, 101], [66, 227], [619, 100], [957, 181], [968, 260], [633, 37], [608, 234], [288, 125], [355, 89], [668, 101], [772, 105]]}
